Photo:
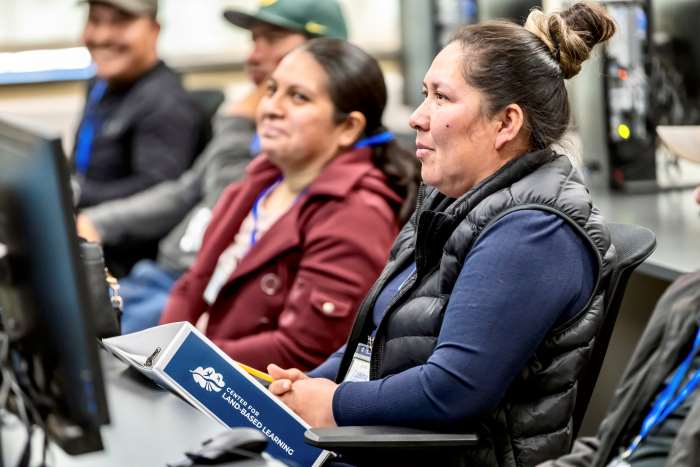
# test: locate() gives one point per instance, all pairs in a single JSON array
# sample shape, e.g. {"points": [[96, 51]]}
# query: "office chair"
{"points": [[389, 445], [634, 244], [208, 101]]}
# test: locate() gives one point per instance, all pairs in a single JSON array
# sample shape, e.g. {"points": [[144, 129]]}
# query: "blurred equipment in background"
{"points": [[49, 367], [426, 27], [626, 84], [647, 76]]}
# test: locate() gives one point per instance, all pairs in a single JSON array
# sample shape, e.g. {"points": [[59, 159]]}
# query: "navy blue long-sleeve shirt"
{"points": [[527, 273]]}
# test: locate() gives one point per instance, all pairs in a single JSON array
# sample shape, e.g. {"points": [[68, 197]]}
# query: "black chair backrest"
{"points": [[633, 245], [208, 101]]}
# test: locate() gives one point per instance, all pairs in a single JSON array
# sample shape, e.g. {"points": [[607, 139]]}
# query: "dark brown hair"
{"points": [[356, 83], [527, 65]]}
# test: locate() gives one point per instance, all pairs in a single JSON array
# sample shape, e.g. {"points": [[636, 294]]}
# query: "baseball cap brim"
{"points": [[247, 20]]}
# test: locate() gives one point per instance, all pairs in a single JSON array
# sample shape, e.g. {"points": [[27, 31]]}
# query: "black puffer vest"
{"points": [[533, 422]]}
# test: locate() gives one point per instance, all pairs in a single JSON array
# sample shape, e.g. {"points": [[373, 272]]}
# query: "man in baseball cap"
{"points": [[310, 17], [280, 25], [139, 126], [121, 36]]}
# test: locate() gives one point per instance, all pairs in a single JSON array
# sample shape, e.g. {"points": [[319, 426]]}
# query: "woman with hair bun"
{"points": [[485, 313]]}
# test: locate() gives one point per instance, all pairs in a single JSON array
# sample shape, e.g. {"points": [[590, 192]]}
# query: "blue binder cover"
{"points": [[238, 401]]}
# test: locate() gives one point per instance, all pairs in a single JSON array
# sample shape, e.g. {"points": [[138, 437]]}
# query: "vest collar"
{"points": [[439, 215]]}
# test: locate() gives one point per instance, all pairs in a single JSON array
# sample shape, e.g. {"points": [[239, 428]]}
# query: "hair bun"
{"points": [[571, 34]]}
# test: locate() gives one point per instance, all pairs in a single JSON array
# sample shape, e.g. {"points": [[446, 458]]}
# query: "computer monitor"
{"points": [[43, 294]]}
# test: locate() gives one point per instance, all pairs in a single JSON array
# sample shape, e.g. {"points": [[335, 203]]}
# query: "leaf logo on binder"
{"points": [[208, 379]]}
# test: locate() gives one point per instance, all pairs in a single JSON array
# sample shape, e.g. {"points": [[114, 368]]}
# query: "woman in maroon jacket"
{"points": [[293, 248]]}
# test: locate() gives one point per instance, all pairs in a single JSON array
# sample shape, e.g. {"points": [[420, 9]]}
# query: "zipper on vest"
{"points": [[377, 350], [363, 311], [367, 304]]}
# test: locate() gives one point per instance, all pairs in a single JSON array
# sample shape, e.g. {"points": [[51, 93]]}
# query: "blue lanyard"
{"points": [[88, 128], [256, 205], [255, 147], [380, 138], [374, 140], [666, 403]]}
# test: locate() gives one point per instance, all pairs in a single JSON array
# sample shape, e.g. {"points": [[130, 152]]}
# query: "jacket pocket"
{"points": [[329, 305]]}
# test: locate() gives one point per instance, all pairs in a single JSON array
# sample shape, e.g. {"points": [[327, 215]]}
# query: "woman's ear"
{"points": [[351, 129], [509, 121]]}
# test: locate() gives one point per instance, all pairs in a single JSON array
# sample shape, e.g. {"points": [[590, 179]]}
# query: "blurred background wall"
{"points": [[195, 39]]}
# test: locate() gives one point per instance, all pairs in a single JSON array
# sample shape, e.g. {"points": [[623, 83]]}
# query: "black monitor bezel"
{"points": [[80, 381]]}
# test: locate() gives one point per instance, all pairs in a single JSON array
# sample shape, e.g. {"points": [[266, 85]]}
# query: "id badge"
{"points": [[359, 368]]}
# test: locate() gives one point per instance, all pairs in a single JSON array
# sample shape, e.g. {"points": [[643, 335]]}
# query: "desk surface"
{"points": [[150, 427], [672, 215]]}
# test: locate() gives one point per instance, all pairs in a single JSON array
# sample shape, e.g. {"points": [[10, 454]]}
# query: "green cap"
{"points": [[134, 7], [314, 17]]}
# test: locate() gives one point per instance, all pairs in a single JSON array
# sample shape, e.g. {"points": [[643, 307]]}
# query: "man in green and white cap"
{"points": [[277, 22], [311, 17], [182, 209]]}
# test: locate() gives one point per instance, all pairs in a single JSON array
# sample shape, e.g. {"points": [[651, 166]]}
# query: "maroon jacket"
{"points": [[292, 299]]}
